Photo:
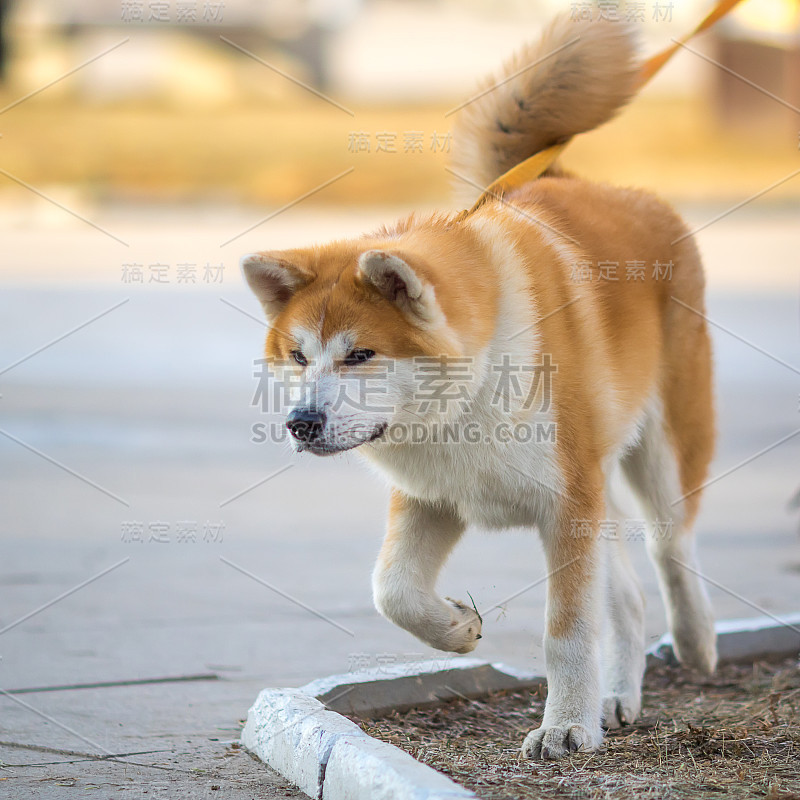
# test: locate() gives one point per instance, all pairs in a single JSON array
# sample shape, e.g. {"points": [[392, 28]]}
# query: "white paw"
{"points": [[697, 648], [464, 630], [620, 709], [557, 741]]}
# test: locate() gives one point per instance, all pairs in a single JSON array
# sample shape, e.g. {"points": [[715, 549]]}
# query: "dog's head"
{"points": [[357, 328]]}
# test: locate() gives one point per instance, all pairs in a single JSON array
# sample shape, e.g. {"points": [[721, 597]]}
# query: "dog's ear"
{"points": [[396, 280], [274, 277]]}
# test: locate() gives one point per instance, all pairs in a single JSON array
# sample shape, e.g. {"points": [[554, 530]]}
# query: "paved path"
{"points": [[144, 416]]}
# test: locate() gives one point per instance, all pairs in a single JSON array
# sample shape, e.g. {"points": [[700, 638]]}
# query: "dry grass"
{"points": [[735, 734]]}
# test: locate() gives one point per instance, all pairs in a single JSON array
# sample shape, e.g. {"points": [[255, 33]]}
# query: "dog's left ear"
{"points": [[397, 281]]}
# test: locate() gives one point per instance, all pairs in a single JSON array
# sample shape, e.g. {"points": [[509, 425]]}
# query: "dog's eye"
{"points": [[299, 358], [358, 356]]}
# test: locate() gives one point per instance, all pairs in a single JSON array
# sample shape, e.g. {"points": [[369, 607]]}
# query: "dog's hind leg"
{"points": [[623, 634], [668, 466], [419, 539], [653, 469]]}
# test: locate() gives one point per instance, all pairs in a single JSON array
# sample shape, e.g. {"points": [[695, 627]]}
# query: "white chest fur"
{"points": [[498, 466]]}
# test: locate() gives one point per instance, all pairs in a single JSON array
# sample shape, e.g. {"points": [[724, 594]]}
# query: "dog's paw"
{"points": [[697, 648], [557, 741], [620, 709], [465, 627]]}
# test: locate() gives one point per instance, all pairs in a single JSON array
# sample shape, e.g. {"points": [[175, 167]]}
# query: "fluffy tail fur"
{"points": [[573, 79]]}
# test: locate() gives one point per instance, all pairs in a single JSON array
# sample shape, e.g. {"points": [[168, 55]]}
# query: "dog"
{"points": [[563, 321]]}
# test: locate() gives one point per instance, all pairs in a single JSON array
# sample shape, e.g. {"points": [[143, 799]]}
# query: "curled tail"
{"points": [[573, 79]]}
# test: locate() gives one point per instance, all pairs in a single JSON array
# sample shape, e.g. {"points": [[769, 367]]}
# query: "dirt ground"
{"points": [[735, 734]]}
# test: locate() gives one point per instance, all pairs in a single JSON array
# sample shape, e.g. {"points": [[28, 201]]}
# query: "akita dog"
{"points": [[561, 308]]}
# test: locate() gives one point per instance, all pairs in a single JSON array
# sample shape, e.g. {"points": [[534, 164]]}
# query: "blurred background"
{"points": [[176, 111], [145, 531]]}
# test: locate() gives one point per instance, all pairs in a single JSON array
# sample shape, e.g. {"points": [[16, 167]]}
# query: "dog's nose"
{"points": [[305, 424]]}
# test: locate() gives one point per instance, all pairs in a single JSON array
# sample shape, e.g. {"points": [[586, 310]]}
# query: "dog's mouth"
{"points": [[378, 432], [331, 448]]}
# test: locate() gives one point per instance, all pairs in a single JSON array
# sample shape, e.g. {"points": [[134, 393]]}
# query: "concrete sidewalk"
{"points": [[180, 547]]}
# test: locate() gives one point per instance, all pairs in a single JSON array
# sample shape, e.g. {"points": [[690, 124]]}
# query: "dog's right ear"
{"points": [[274, 277]]}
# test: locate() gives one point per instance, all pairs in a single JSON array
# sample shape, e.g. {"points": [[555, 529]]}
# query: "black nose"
{"points": [[305, 424]]}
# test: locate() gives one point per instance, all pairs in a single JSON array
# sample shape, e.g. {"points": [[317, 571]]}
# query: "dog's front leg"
{"points": [[419, 538], [572, 715]]}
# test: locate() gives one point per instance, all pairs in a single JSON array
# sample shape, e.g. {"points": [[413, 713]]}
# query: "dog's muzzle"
{"points": [[305, 424]]}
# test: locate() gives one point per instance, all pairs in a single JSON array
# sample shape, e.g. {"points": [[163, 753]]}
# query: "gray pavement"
{"points": [[142, 420]]}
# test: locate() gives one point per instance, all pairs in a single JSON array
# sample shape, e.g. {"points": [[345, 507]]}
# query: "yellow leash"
{"points": [[654, 64], [527, 170], [533, 167]]}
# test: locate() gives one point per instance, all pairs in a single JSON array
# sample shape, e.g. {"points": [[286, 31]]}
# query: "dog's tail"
{"points": [[573, 79]]}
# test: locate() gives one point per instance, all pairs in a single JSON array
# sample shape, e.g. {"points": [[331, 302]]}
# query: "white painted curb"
{"points": [[327, 756], [301, 734], [743, 640]]}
